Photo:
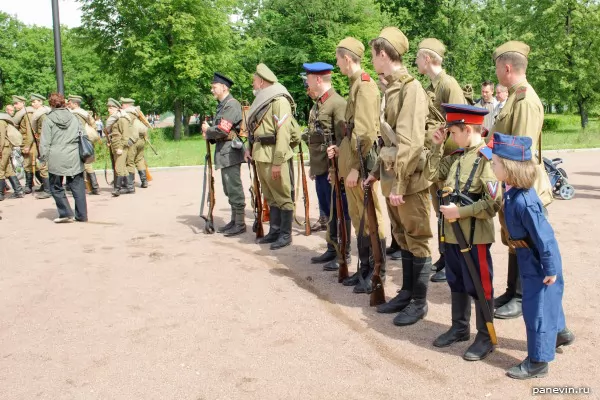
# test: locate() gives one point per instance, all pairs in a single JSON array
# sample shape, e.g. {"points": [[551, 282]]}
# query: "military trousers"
{"points": [[6, 169], [135, 157], [457, 272], [232, 186], [30, 159], [121, 162], [410, 223], [356, 208], [278, 192]]}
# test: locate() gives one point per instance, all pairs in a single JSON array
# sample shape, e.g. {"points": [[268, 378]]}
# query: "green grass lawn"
{"points": [[191, 150]]}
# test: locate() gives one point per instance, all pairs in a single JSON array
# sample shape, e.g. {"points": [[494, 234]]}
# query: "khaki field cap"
{"points": [[113, 103], [517, 47], [354, 45], [264, 72], [396, 38], [434, 45], [73, 97], [126, 100], [35, 96], [17, 99]]}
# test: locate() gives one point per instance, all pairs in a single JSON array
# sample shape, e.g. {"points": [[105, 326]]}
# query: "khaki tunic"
{"points": [[327, 117], [28, 131], [276, 121], [6, 170], [400, 166], [443, 168], [362, 111], [88, 167], [120, 134]]}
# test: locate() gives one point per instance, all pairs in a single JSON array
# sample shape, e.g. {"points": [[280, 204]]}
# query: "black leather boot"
{"points": [[329, 254], [285, 231], [38, 176], [274, 226], [365, 257], [439, 276], [404, 295], [564, 338], [117, 182], [17, 189], [528, 369], [334, 264], [129, 184], [482, 346], [228, 225], [28, 183], [143, 179], [94, 184], [461, 315], [417, 309], [239, 225], [2, 187], [511, 281], [439, 264], [45, 193]]}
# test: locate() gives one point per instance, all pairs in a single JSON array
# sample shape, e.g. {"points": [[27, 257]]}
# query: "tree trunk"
{"points": [[186, 123], [582, 113], [177, 122]]}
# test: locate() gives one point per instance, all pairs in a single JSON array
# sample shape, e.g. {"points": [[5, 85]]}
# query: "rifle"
{"points": [[377, 293], [304, 191], [464, 249], [112, 159], [209, 226], [342, 244]]}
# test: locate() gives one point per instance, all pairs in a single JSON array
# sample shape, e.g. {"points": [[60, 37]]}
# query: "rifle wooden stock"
{"points": [[304, 192], [258, 204], [341, 221], [266, 214], [209, 226], [464, 249]]}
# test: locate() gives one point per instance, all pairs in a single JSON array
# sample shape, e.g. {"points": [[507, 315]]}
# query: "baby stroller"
{"points": [[558, 179]]}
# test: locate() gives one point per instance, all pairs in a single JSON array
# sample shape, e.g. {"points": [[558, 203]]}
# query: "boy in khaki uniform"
{"points": [[362, 128], [444, 89], [400, 168], [271, 124], [6, 170], [475, 200]]}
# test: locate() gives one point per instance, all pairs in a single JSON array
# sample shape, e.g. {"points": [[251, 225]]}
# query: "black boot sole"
{"points": [[236, 232], [323, 259], [276, 246], [478, 357]]}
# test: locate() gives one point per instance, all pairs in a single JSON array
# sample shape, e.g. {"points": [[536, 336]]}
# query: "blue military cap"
{"points": [[516, 148], [220, 78], [318, 68], [464, 114]]}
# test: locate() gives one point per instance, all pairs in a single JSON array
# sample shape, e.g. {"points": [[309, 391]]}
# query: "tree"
{"points": [[165, 51]]}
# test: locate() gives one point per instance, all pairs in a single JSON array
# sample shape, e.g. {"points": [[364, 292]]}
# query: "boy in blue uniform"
{"points": [[538, 256], [474, 202]]}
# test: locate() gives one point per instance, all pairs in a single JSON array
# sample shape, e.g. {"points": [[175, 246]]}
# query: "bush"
{"points": [[550, 124]]}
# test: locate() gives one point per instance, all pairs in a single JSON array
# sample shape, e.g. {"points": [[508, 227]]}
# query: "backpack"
{"points": [[14, 136]]}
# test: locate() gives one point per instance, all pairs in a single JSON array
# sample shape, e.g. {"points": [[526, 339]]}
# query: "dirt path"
{"points": [[137, 304]]}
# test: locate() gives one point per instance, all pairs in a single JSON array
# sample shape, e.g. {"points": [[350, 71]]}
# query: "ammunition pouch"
{"points": [[266, 140], [462, 199], [388, 157], [524, 243]]}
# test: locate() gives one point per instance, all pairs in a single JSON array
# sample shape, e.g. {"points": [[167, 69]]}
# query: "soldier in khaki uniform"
{"points": [[326, 125], [120, 128], [400, 168], [442, 89], [22, 119], [272, 128], [362, 129], [522, 115], [136, 143], [6, 170], [89, 127], [474, 202]]}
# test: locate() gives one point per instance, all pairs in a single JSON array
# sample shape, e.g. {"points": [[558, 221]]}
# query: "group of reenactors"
{"points": [[417, 145], [21, 128]]}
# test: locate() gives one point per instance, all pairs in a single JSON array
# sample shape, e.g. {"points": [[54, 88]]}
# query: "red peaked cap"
{"points": [[464, 114]]}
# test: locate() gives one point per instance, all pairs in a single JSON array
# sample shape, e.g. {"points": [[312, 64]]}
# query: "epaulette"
{"points": [[457, 151], [486, 152], [324, 97], [406, 78], [365, 77], [521, 92]]}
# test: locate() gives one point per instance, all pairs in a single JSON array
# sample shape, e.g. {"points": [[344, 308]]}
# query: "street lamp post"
{"points": [[60, 81]]}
